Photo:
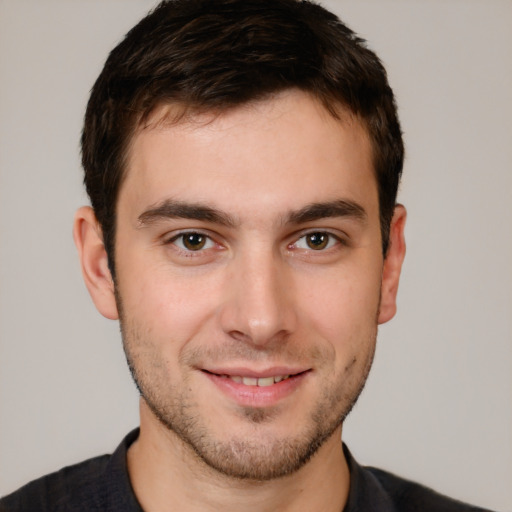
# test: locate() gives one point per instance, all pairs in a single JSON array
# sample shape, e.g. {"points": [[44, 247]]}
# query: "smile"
{"points": [[253, 381], [251, 388]]}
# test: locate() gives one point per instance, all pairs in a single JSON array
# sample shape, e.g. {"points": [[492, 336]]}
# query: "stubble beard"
{"points": [[260, 457]]}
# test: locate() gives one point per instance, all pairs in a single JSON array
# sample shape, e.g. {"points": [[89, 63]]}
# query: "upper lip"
{"points": [[257, 374]]}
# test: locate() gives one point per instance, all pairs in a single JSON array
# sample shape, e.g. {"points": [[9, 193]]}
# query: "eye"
{"points": [[317, 241], [192, 241]]}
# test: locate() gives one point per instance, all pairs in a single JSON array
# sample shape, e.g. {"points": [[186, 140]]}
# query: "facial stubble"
{"points": [[258, 457]]}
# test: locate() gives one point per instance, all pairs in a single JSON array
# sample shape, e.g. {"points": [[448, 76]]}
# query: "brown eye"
{"points": [[191, 241], [317, 241]]}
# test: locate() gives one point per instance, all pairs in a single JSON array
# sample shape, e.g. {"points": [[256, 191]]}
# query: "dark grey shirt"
{"points": [[103, 484]]}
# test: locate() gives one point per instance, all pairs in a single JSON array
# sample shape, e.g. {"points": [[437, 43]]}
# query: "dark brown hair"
{"points": [[212, 55]]}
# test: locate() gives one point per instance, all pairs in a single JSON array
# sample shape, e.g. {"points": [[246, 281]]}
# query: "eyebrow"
{"points": [[172, 209], [318, 211]]}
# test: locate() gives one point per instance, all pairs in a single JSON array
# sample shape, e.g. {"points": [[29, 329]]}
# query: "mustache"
{"points": [[275, 353]]}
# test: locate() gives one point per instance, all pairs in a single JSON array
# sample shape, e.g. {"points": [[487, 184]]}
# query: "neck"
{"points": [[165, 471]]}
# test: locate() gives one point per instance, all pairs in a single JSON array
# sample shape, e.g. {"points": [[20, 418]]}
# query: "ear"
{"points": [[392, 265], [94, 262]]}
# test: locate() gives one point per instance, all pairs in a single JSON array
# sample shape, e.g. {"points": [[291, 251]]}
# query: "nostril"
{"points": [[240, 336], [260, 339]]}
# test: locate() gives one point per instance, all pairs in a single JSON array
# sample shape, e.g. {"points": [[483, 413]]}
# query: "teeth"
{"points": [[266, 381], [253, 381]]}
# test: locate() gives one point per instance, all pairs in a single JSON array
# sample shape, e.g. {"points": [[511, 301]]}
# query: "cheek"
{"points": [[342, 316], [341, 304], [172, 307]]}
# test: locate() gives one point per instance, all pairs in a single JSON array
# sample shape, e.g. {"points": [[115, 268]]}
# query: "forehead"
{"points": [[286, 150]]}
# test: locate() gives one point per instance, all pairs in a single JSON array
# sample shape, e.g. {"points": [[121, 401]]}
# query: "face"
{"points": [[250, 278]]}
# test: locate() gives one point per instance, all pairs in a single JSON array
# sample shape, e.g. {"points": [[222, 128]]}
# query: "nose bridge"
{"points": [[259, 307]]}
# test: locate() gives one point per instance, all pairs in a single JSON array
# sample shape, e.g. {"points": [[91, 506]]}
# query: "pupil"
{"points": [[317, 240], [194, 241]]}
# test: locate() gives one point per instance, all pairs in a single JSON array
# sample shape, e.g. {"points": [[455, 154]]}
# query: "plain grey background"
{"points": [[438, 404]]}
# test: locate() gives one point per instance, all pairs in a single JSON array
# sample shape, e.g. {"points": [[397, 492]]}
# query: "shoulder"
{"points": [[375, 489], [101, 483], [72, 486], [408, 496]]}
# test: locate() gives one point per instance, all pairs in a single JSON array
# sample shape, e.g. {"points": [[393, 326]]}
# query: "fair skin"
{"points": [[247, 247]]}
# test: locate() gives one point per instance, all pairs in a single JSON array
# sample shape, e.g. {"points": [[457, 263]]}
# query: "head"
{"points": [[214, 55], [242, 159]]}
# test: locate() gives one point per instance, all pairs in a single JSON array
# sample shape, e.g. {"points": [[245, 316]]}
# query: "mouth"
{"points": [[255, 381], [258, 389]]}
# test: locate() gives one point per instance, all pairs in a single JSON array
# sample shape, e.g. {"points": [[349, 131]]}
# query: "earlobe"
{"points": [[392, 265], [94, 262]]}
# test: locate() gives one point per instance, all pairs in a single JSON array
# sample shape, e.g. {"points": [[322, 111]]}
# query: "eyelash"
{"points": [[209, 242], [332, 240]]}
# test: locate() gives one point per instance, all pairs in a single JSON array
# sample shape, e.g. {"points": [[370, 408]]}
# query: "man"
{"points": [[242, 160]]}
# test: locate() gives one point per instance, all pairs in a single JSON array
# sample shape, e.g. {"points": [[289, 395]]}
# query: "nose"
{"points": [[259, 300]]}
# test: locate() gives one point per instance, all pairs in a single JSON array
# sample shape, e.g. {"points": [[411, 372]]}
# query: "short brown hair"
{"points": [[217, 54]]}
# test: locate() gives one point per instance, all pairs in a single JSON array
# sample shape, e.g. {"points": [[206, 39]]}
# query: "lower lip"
{"points": [[257, 396]]}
